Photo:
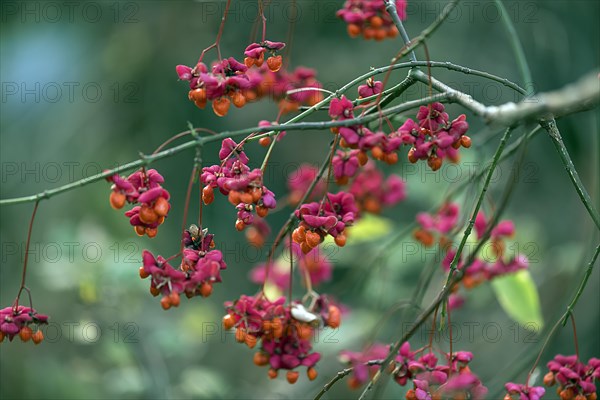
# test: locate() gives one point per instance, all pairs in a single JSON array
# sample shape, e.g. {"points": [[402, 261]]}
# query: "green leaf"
{"points": [[518, 296], [368, 228]]}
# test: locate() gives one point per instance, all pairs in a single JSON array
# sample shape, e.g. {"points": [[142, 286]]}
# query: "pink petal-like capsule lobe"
{"points": [[504, 228], [236, 65], [254, 50], [184, 72], [349, 135], [464, 356], [148, 259], [512, 388], [588, 387], [480, 224], [274, 45], [335, 108], [151, 195], [311, 359]]}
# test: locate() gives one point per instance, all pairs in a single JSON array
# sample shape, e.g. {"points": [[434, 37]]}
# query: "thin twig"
{"points": [[550, 125], [390, 6], [147, 159], [581, 95], [415, 42], [486, 183], [286, 226], [340, 375], [570, 99], [516, 45], [554, 133]]}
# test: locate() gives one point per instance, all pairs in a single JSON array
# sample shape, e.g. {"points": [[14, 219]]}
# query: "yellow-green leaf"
{"points": [[368, 228], [518, 296]]}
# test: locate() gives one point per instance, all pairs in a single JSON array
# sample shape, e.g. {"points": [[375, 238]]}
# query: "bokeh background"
{"points": [[89, 85]]}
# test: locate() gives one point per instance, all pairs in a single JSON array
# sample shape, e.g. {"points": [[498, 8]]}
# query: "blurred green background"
{"points": [[89, 85]]}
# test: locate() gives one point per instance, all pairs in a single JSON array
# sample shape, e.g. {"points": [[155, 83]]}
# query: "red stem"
{"points": [[433, 329], [24, 273], [200, 208], [179, 135], [290, 36], [390, 126], [450, 335], [187, 204], [237, 148], [333, 147], [271, 252], [264, 21], [575, 336], [218, 39], [430, 86], [172, 257], [291, 270], [386, 78], [539, 356], [290, 220]]}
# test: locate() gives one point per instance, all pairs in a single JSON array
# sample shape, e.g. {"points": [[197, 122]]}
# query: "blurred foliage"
{"points": [[110, 339], [518, 296]]}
